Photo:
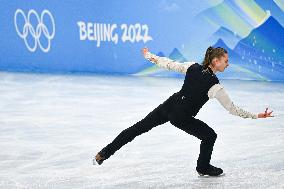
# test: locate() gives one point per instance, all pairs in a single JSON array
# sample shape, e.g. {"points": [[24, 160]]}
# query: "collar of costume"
{"points": [[209, 69]]}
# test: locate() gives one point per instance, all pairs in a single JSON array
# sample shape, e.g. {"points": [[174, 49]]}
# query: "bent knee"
{"points": [[212, 136]]}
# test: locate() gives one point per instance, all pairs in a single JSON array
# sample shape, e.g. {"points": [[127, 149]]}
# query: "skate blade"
{"points": [[94, 161], [207, 176]]}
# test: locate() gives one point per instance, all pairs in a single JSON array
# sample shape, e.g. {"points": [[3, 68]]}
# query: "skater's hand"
{"points": [[265, 114], [145, 50]]}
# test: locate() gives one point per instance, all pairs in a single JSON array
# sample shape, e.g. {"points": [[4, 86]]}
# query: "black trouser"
{"points": [[162, 114]]}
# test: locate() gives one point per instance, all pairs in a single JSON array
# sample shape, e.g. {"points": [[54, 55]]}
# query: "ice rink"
{"points": [[53, 125]]}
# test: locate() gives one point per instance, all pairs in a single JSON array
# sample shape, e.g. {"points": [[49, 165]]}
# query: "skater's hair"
{"points": [[212, 53]]}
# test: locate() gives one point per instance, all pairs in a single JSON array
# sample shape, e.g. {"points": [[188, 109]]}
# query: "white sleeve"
{"points": [[169, 64], [217, 91]]}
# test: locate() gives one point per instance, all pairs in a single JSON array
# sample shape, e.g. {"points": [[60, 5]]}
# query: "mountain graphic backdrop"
{"points": [[259, 56], [227, 35], [262, 51], [273, 8], [231, 21], [154, 70], [238, 17]]}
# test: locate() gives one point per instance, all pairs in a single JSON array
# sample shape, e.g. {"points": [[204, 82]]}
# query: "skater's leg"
{"points": [[203, 132], [153, 119]]}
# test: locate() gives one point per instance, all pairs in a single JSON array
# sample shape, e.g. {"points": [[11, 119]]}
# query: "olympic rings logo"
{"points": [[35, 32]]}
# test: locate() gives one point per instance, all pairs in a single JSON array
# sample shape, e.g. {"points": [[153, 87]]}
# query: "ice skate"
{"points": [[210, 171], [99, 158]]}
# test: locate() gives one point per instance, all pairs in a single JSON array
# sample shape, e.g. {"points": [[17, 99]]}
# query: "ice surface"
{"points": [[51, 126]]}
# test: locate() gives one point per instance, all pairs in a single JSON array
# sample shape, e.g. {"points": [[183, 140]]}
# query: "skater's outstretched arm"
{"points": [[217, 91], [166, 63]]}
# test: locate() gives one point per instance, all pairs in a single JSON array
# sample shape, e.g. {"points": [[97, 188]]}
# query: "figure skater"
{"points": [[200, 85]]}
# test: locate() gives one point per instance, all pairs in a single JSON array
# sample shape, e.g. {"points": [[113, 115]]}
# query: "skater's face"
{"points": [[221, 63]]}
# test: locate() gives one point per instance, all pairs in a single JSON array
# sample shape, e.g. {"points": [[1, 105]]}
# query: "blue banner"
{"points": [[106, 36]]}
